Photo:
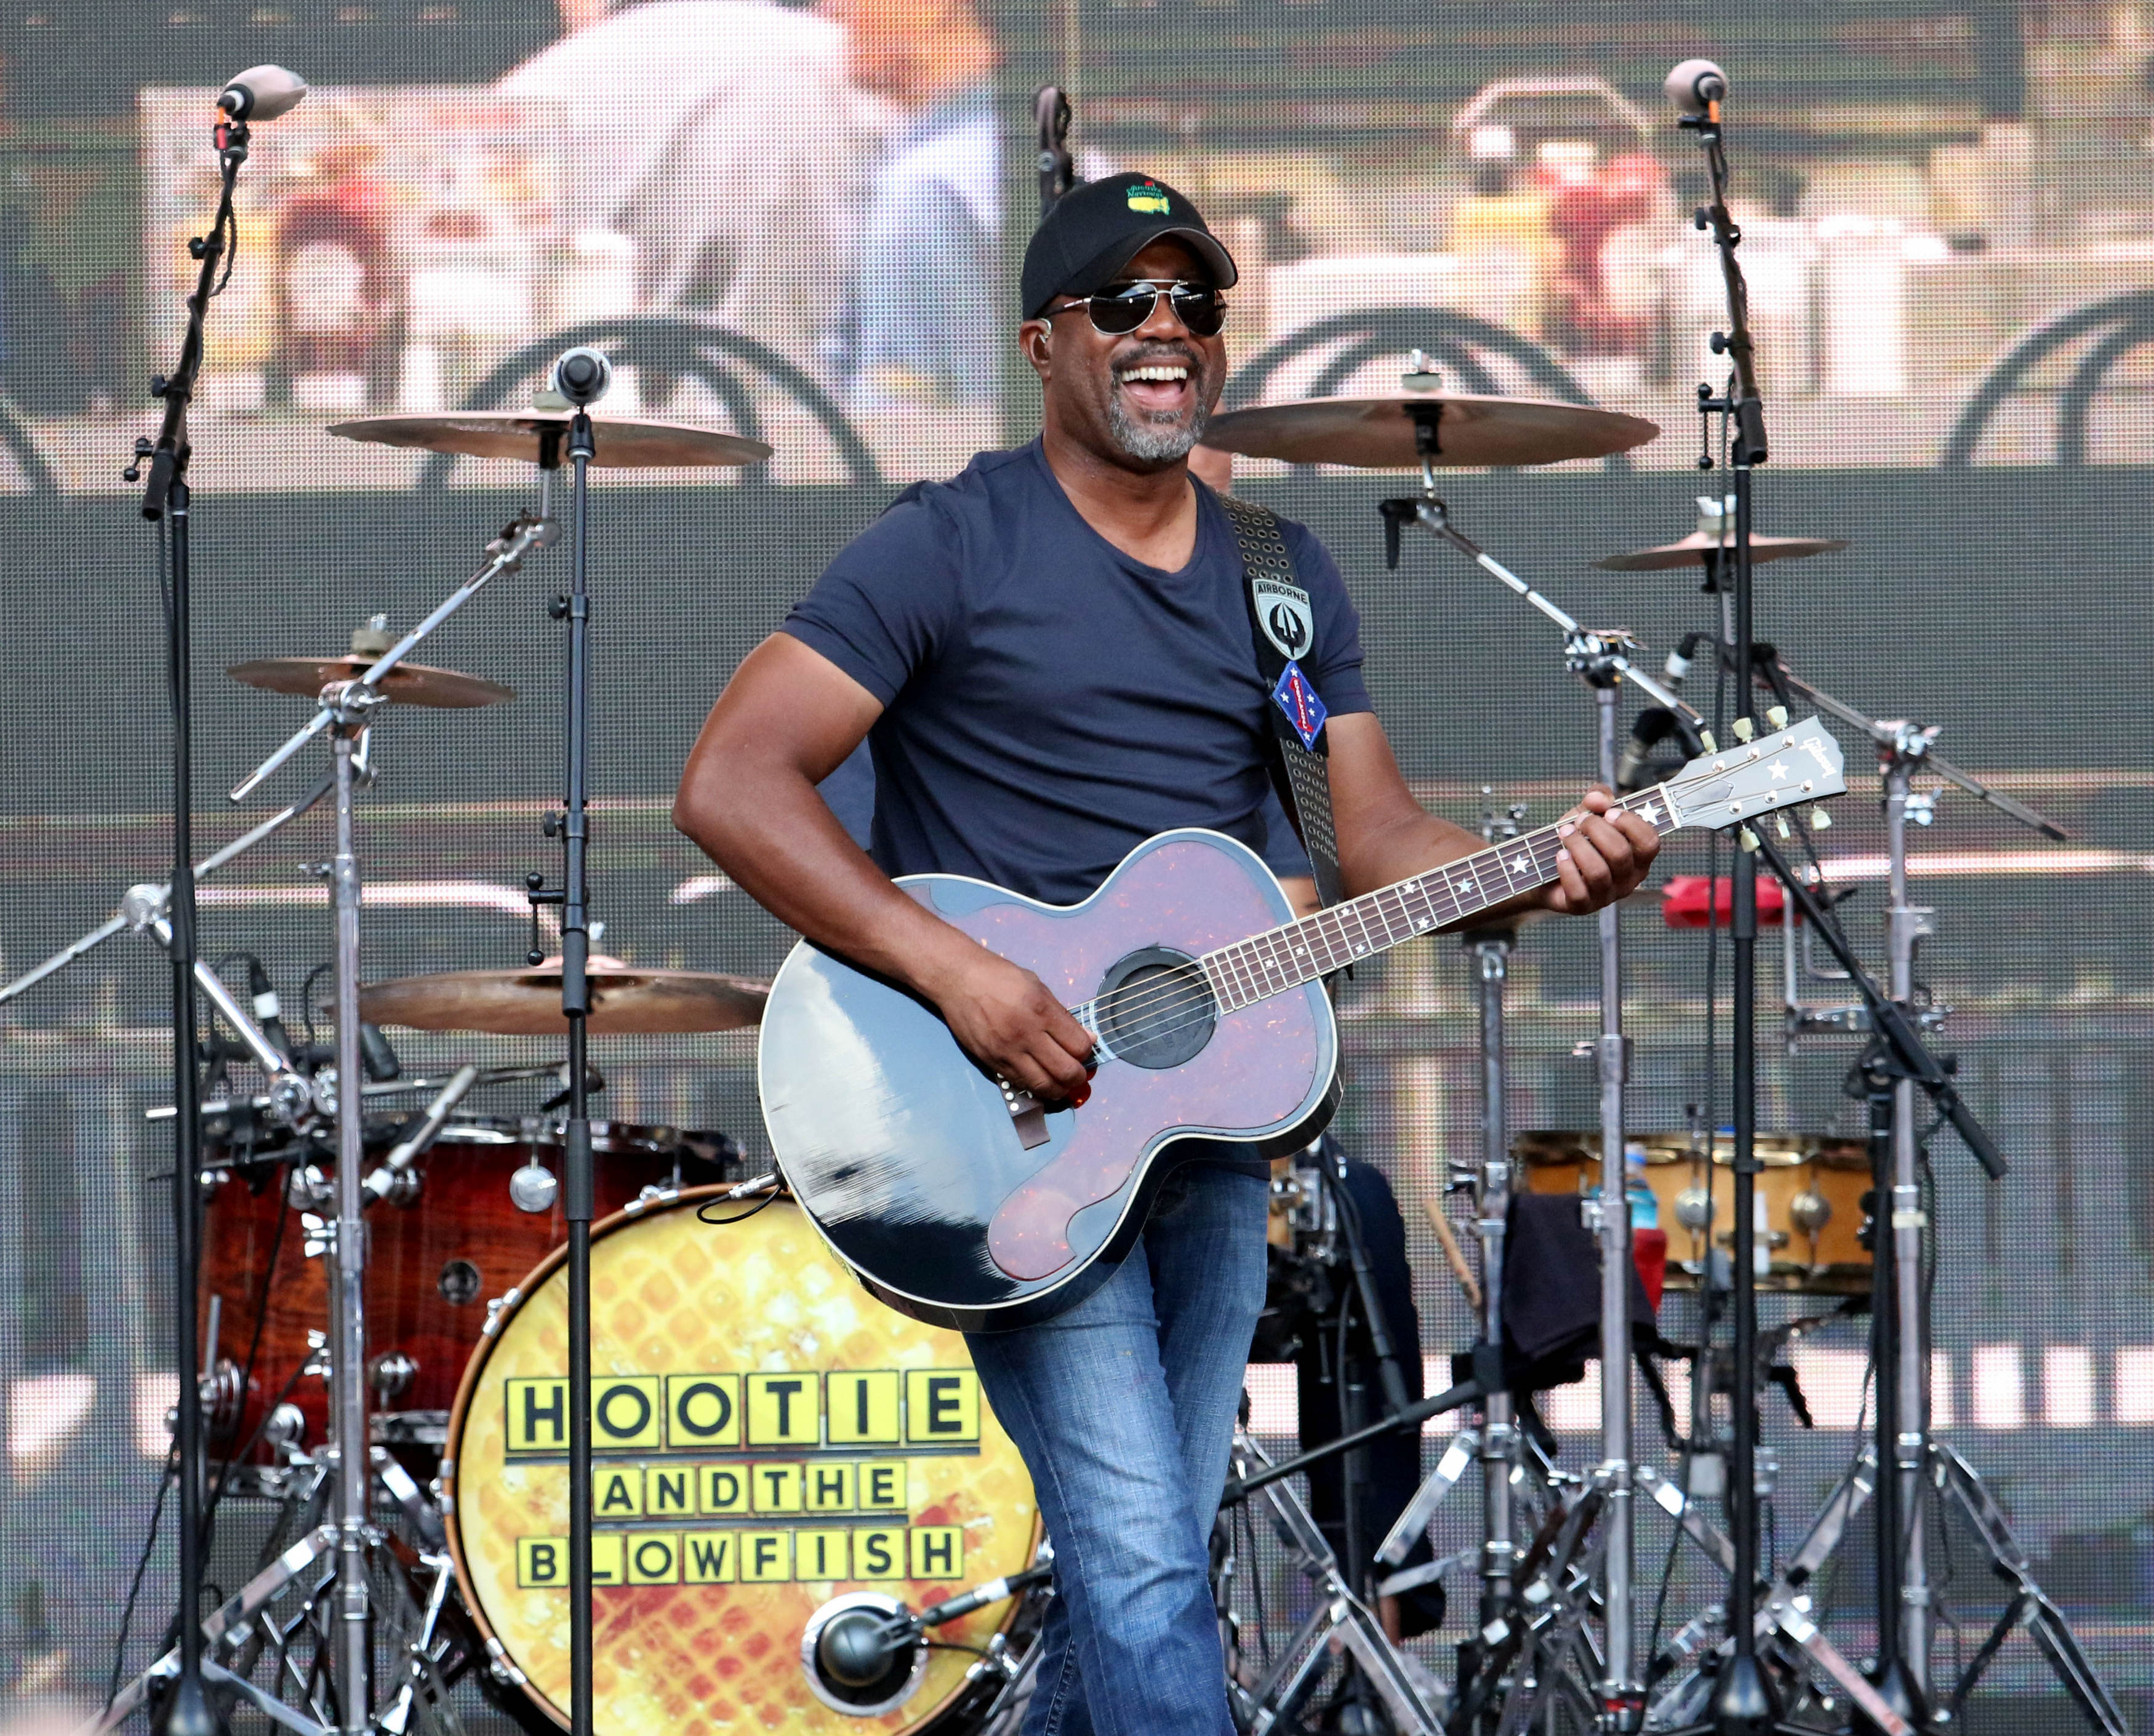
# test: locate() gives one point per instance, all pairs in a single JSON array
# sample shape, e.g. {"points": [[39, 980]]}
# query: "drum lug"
{"points": [[392, 1372]]}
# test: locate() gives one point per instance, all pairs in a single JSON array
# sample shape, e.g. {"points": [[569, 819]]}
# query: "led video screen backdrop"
{"points": [[800, 224]]}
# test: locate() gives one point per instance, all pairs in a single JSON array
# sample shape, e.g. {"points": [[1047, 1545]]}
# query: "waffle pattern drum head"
{"points": [[767, 1437]]}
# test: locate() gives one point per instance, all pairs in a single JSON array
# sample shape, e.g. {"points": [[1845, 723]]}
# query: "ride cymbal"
{"points": [[1471, 432], [528, 1003], [1693, 550], [407, 683], [619, 445]]}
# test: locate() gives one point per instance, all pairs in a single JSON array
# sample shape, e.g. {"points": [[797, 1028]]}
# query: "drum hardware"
{"points": [[390, 1374], [275, 1623], [1338, 1621], [533, 1188], [383, 1088], [344, 713], [1601, 658], [396, 1180]]}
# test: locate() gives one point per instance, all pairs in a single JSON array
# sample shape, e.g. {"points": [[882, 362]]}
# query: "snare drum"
{"points": [[767, 1437], [434, 1259], [1809, 1201]]}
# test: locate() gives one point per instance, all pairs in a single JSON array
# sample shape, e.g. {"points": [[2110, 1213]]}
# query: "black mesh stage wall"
{"points": [[797, 223]]}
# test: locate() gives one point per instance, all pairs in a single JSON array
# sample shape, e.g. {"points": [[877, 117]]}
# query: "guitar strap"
{"points": [[1283, 626]]}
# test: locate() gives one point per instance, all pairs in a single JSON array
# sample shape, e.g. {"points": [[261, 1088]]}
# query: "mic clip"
{"points": [[1398, 512]]}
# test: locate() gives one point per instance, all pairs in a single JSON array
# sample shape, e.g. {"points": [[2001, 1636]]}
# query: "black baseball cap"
{"points": [[1094, 230]]}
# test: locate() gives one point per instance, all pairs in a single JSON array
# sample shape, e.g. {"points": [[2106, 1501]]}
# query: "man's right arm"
{"points": [[747, 798]]}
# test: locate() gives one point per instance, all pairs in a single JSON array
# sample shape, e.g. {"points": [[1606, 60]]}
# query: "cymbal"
{"points": [[1692, 550], [407, 683], [516, 434], [1471, 431], [528, 1003], [1774, 1151]]}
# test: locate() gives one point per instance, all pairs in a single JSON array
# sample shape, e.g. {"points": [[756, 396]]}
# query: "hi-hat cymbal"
{"points": [[1471, 432], [1694, 549], [407, 683], [528, 1003], [521, 433]]}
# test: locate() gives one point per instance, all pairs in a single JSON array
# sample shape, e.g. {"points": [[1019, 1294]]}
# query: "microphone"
{"points": [[377, 1060], [859, 1651], [268, 1010], [582, 376], [1697, 86], [1655, 725], [261, 93]]}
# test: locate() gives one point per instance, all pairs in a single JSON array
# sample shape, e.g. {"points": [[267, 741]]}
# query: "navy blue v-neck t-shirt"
{"points": [[1050, 703]]}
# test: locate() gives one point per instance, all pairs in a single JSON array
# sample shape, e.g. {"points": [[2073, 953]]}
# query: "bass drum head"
{"points": [[768, 1436]]}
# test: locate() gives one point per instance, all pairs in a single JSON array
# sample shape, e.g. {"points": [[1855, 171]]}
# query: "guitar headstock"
{"points": [[1743, 780]]}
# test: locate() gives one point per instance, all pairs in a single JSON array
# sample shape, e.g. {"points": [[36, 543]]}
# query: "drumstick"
{"points": [[1441, 1223]]}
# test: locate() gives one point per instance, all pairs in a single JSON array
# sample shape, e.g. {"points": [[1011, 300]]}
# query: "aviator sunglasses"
{"points": [[1118, 311]]}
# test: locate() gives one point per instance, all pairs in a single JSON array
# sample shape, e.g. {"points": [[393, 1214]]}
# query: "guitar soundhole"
{"points": [[1156, 1010]]}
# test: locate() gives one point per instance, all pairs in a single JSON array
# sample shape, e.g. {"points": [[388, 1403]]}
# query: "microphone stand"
{"points": [[1743, 1702], [187, 1711], [578, 1192], [1058, 174]]}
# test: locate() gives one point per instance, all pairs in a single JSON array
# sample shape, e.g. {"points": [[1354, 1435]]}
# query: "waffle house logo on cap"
{"points": [[1150, 197]]}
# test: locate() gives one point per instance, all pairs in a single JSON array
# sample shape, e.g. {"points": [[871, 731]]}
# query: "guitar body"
{"points": [[905, 1152]]}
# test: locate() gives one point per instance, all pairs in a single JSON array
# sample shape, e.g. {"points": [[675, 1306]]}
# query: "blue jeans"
{"points": [[1124, 1408]]}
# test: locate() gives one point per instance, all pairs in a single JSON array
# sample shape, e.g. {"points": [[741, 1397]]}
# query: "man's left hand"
{"points": [[1602, 859]]}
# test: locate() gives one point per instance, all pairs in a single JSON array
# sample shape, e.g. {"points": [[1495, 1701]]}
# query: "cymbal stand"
{"points": [[1338, 1621], [345, 714], [1623, 1697], [1495, 1442], [146, 909], [1601, 658]]}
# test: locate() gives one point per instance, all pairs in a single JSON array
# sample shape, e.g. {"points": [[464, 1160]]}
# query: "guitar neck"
{"points": [[1281, 958]]}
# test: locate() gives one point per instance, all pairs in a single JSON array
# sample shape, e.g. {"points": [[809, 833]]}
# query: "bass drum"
{"points": [[767, 1437]]}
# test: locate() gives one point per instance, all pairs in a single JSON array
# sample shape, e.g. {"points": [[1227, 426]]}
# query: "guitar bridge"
{"points": [[1028, 1113]]}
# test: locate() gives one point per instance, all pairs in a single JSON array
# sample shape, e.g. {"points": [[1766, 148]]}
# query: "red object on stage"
{"points": [[1649, 1253], [1683, 901]]}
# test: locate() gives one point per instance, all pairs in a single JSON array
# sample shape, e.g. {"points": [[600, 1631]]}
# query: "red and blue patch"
{"points": [[1303, 710]]}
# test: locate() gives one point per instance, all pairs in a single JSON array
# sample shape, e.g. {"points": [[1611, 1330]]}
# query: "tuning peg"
{"points": [[1748, 839], [1777, 715], [1780, 820], [1706, 741], [1819, 820], [1744, 728]]}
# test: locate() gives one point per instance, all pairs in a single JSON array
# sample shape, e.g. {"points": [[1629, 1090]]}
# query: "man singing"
{"points": [[1051, 658]]}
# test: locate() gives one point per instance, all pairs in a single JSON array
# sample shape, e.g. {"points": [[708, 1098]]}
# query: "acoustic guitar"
{"points": [[965, 1203]]}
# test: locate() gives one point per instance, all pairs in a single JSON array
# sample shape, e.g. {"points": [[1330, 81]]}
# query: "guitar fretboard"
{"points": [[1281, 958]]}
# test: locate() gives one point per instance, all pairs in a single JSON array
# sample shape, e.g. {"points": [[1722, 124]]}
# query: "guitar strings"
{"points": [[1184, 992], [1129, 1003]]}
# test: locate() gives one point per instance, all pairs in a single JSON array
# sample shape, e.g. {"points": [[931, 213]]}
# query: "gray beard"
{"points": [[1150, 444]]}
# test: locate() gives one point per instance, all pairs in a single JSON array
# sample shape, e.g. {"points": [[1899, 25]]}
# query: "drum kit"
{"points": [[772, 1472], [777, 1462]]}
